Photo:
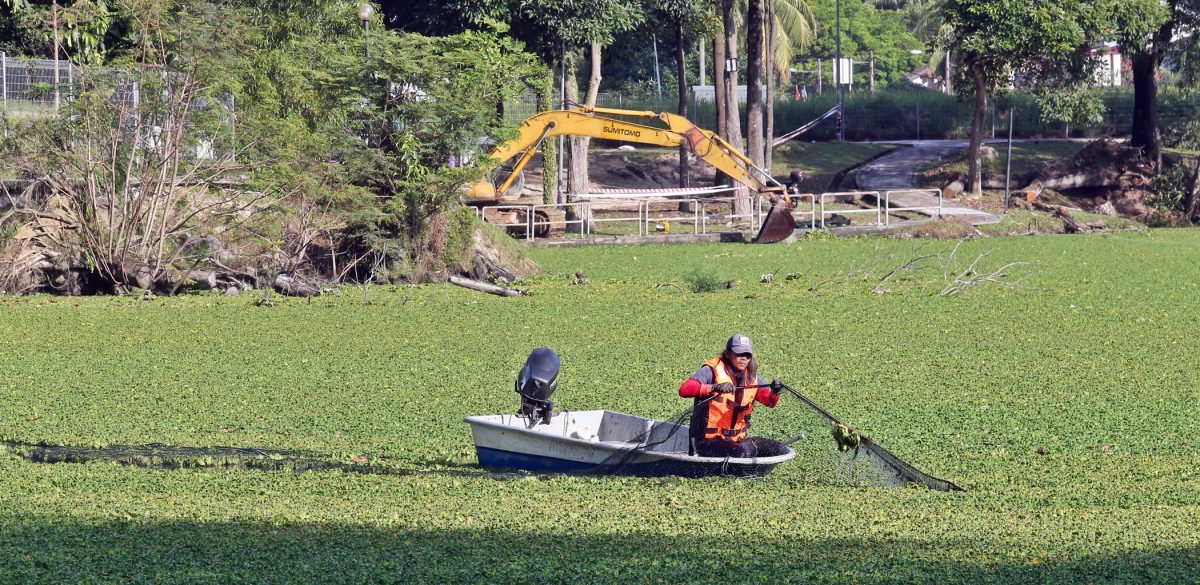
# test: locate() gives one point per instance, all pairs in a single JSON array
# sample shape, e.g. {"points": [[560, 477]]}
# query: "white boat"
{"points": [[601, 441]]}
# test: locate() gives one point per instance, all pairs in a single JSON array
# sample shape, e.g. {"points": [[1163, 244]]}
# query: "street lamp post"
{"points": [[918, 52], [365, 13]]}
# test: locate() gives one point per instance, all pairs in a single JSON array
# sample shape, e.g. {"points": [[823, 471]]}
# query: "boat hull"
{"points": [[604, 442]]}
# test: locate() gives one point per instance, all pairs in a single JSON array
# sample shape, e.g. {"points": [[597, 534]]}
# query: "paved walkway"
{"points": [[897, 171]]}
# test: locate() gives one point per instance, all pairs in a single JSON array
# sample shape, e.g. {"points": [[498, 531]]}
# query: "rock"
{"points": [[625, 147], [953, 189], [988, 154], [233, 291], [1107, 208]]}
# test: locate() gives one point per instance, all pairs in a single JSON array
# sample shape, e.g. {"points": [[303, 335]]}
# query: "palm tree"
{"points": [[790, 28], [926, 23]]}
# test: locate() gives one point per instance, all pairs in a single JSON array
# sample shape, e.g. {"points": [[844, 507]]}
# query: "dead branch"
{"points": [[970, 278], [911, 266], [485, 287]]}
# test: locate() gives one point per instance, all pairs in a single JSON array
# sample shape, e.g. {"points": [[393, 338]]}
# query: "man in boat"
{"points": [[724, 391]]}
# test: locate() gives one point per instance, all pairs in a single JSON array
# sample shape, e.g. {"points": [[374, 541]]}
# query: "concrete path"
{"points": [[897, 171]]}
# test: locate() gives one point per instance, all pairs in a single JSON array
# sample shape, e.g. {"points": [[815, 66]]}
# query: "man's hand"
{"points": [[723, 388]]}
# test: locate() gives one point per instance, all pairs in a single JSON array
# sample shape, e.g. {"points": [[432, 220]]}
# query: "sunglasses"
{"points": [[743, 355]]}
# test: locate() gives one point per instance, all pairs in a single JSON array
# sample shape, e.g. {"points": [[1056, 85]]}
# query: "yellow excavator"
{"points": [[504, 184]]}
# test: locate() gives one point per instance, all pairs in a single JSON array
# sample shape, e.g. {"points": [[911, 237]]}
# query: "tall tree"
{"points": [[754, 86], [791, 28], [687, 18], [996, 37], [1145, 29], [548, 26], [733, 119]]}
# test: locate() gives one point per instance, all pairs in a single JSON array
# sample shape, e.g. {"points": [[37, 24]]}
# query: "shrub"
{"points": [[702, 280]]}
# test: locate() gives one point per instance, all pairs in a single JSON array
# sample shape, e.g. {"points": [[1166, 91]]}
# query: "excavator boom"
{"points": [[679, 131]]}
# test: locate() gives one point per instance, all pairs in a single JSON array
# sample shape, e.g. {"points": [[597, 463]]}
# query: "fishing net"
{"points": [[859, 459], [659, 436], [170, 457], [856, 458]]}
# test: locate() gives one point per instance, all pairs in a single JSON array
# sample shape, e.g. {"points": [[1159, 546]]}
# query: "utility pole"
{"points": [[54, 10], [947, 70], [657, 74], [872, 63], [837, 75]]}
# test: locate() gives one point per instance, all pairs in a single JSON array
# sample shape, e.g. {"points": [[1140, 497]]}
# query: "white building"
{"points": [[1109, 65]]}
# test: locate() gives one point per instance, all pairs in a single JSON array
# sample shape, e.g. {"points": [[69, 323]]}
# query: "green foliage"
{"points": [[1080, 458], [1134, 22], [1076, 106], [1171, 188], [1045, 40], [865, 30]]}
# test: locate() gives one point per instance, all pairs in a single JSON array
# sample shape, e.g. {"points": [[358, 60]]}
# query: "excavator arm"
{"points": [[679, 131], [584, 122]]}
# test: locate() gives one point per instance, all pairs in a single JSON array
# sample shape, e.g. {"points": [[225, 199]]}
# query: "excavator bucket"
{"points": [[778, 225]]}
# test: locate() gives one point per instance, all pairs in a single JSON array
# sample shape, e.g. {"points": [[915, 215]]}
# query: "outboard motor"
{"points": [[536, 382]]}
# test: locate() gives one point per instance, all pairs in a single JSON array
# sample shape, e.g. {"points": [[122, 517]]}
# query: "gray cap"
{"points": [[739, 344]]}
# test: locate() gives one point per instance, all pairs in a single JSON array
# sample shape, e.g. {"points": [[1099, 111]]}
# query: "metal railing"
{"points": [[695, 218], [887, 203], [878, 210], [566, 222], [643, 214], [754, 216]]}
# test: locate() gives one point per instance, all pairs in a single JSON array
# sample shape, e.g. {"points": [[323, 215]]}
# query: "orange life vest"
{"points": [[728, 415]]}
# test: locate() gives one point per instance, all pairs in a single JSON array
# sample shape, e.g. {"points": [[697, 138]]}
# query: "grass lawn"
{"points": [[822, 161], [1067, 409], [1027, 157]]}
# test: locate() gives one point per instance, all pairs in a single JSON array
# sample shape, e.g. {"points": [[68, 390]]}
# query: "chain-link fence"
{"points": [[915, 114], [32, 84], [36, 87]]}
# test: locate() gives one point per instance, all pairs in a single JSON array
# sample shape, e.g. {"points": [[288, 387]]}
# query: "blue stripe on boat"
{"points": [[499, 458]]}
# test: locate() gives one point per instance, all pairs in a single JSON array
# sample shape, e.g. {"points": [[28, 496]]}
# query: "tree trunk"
{"points": [[1190, 203], [681, 68], [733, 122], [577, 168], [292, 286], [577, 171], [754, 66], [769, 146], [1144, 134], [719, 84], [594, 77], [502, 291], [545, 99], [719, 97], [975, 175]]}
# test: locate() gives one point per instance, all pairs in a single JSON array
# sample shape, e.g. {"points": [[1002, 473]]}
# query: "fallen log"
{"points": [[485, 287], [1069, 224], [292, 286]]}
